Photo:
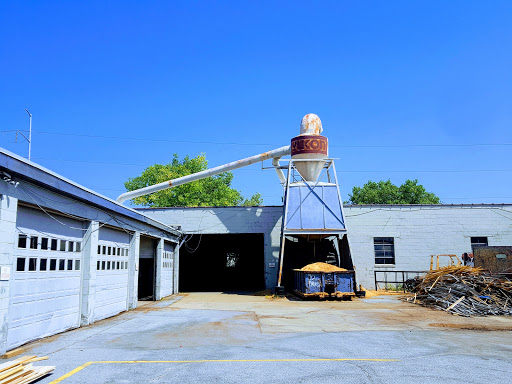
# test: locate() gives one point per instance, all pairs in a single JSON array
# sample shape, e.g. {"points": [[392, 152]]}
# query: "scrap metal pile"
{"points": [[462, 290]]}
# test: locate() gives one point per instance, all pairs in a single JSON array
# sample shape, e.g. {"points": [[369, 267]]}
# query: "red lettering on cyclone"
{"points": [[309, 144]]}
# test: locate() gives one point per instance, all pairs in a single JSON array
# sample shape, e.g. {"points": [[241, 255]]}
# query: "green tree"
{"points": [[385, 192], [211, 191]]}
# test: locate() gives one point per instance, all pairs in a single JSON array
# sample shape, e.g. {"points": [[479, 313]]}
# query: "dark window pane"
{"points": [[104, 249], [53, 264], [108, 250], [62, 246], [70, 265], [98, 264], [32, 264], [33, 242], [22, 241], [103, 265], [118, 251], [43, 264], [62, 264], [20, 264], [99, 249], [117, 265], [44, 243], [70, 246], [54, 245], [78, 246], [77, 265], [108, 265]]}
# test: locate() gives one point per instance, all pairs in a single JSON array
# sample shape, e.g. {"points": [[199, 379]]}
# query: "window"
{"points": [[232, 260], [78, 246], [104, 249], [70, 246], [99, 249], [384, 250], [478, 242], [118, 251], [62, 264], [108, 249], [103, 265], [32, 264], [44, 243], [108, 265], [98, 265], [70, 265], [33, 242], [22, 241], [20, 264], [117, 266], [54, 245], [77, 265], [63, 245], [53, 264], [43, 264]]}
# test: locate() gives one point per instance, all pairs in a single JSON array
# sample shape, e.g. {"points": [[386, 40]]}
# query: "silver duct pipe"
{"points": [[280, 152], [279, 171]]}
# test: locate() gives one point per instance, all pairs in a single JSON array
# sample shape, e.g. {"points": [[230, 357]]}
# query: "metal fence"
{"points": [[395, 278]]}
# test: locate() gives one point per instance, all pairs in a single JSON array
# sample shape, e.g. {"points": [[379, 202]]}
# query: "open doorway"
{"points": [[222, 263], [147, 272]]}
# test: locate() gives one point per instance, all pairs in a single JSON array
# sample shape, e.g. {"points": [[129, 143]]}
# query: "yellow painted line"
{"points": [[71, 373]]}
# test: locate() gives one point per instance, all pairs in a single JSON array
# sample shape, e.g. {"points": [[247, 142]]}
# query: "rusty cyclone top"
{"points": [[310, 125]]}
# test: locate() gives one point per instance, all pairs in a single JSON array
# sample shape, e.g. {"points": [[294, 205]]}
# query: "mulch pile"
{"points": [[321, 267], [463, 290]]}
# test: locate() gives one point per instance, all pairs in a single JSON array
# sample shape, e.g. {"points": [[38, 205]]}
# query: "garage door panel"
{"points": [[111, 295], [45, 299]]}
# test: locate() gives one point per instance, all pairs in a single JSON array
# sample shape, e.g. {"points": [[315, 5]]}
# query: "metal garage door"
{"points": [[112, 273], [45, 290], [167, 269]]}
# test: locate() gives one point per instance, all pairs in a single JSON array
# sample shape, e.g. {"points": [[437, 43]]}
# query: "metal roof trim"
{"points": [[28, 170]]}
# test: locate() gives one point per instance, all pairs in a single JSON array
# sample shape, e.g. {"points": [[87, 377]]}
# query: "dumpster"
{"points": [[323, 284]]}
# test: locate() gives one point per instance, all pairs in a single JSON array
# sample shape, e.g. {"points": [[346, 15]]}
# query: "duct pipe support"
{"points": [[279, 152]]}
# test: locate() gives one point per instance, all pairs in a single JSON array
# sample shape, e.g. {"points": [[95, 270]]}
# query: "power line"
{"points": [[259, 144]]}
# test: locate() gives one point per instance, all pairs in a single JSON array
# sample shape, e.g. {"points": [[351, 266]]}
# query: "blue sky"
{"points": [[405, 89]]}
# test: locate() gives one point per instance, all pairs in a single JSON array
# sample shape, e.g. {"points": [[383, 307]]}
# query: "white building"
{"points": [[70, 257]]}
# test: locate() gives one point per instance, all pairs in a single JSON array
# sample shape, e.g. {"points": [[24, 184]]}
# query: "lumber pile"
{"points": [[462, 290], [21, 370]]}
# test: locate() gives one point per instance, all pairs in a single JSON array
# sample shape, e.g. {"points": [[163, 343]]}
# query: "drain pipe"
{"points": [[279, 171], [280, 152]]}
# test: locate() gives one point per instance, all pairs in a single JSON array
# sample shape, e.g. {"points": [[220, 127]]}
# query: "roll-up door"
{"points": [[45, 288], [167, 269], [112, 273]]}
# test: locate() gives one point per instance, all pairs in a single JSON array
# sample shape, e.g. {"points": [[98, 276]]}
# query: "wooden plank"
{"points": [[37, 373], [38, 359], [12, 353], [454, 304], [11, 371]]}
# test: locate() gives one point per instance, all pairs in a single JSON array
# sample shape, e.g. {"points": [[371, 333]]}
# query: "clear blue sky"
{"points": [[405, 89]]}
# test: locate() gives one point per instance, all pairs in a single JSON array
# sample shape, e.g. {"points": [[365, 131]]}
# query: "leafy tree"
{"points": [[211, 191], [385, 192]]}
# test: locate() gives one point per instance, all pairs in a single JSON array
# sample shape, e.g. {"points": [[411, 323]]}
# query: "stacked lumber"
{"points": [[21, 370], [462, 290]]}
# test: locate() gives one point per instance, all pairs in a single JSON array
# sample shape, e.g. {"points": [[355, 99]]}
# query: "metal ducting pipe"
{"points": [[280, 152]]}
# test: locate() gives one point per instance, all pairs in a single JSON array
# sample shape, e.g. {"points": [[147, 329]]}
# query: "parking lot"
{"points": [[234, 338]]}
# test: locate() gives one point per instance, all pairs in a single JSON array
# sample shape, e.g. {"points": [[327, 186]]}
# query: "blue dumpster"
{"points": [[336, 283]]}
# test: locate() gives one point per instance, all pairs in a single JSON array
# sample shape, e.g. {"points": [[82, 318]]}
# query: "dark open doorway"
{"points": [[147, 269], [220, 263]]}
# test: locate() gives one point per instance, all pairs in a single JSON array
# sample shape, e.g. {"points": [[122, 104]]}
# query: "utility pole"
{"points": [[29, 133]]}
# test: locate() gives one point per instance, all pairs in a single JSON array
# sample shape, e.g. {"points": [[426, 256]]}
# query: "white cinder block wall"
{"points": [[224, 220], [418, 231], [421, 231]]}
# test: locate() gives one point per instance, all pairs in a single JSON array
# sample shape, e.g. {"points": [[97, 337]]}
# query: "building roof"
{"points": [[21, 168]]}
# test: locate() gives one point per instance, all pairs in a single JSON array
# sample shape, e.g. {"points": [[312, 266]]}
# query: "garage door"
{"points": [[168, 269], [45, 288], [112, 273]]}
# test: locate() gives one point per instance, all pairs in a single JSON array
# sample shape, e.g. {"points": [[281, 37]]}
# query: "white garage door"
{"points": [[112, 273], [167, 269], [45, 290]]}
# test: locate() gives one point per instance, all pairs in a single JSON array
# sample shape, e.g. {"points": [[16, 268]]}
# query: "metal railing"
{"points": [[395, 278]]}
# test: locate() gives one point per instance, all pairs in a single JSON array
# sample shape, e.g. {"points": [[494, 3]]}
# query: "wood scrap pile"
{"points": [[462, 290], [21, 370], [321, 267]]}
